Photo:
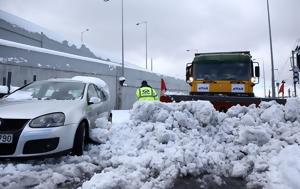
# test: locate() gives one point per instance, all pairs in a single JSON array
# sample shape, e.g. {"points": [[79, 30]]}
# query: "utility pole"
{"points": [[81, 36], [295, 68], [151, 65], [293, 63], [271, 50], [122, 77], [146, 39]]}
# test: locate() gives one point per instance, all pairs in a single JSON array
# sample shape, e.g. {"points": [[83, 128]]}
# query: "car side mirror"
{"points": [[257, 71], [94, 100], [188, 72]]}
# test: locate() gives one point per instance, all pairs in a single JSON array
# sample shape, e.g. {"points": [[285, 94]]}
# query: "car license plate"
{"points": [[6, 138]]}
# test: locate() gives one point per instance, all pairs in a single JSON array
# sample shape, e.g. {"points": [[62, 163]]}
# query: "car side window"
{"points": [[50, 91], [101, 94], [92, 92], [104, 96]]}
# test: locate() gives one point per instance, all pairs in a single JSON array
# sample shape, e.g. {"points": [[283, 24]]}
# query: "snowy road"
{"points": [[161, 143]]}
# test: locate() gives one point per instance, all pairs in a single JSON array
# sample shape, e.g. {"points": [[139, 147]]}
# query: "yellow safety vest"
{"points": [[146, 93]]}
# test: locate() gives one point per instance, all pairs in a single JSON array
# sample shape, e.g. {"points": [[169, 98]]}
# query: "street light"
{"points": [[194, 50], [122, 14], [82, 35], [146, 25], [271, 50]]}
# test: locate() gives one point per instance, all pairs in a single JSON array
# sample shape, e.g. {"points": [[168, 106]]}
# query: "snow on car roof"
{"points": [[85, 79], [65, 80], [97, 81]]}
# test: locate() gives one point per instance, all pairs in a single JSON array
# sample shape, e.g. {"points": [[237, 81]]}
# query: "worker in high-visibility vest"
{"points": [[146, 92]]}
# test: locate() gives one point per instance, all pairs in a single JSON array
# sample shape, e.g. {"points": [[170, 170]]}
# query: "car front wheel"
{"points": [[79, 140]]}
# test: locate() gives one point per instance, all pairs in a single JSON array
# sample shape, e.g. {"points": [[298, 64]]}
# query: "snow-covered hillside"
{"points": [[162, 142]]}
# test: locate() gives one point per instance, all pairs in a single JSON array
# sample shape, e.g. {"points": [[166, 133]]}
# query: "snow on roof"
{"points": [[97, 81], [52, 52], [32, 27], [57, 53], [29, 26]]}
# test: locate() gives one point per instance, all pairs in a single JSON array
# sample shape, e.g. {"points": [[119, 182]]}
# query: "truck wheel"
{"points": [[79, 140]]}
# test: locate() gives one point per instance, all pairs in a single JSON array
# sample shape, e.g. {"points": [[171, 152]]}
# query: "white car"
{"points": [[52, 116]]}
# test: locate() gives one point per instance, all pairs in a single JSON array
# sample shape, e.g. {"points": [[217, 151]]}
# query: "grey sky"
{"points": [[173, 27]]}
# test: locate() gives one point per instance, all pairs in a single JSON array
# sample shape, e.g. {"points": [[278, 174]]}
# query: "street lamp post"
{"points": [[122, 38], [82, 35], [122, 18], [146, 38], [122, 78], [271, 50]]}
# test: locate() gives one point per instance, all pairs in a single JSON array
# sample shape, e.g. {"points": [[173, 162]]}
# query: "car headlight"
{"points": [[48, 120], [191, 79], [253, 79]]}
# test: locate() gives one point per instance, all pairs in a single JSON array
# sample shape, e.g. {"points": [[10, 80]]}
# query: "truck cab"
{"points": [[222, 74]]}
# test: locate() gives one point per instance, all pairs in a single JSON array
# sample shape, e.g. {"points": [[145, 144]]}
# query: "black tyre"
{"points": [[79, 140], [110, 117]]}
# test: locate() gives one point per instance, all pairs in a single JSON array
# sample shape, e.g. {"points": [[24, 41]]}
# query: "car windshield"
{"points": [[49, 90], [222, 70]]}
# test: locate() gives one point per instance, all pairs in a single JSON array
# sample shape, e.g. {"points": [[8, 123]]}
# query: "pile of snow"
{"points": [[285, 169], [162, 142], [120, 116], [46, 174]]}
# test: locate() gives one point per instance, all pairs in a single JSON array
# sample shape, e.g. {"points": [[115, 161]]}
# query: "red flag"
{"points": [[281, 88], [163, 88]]}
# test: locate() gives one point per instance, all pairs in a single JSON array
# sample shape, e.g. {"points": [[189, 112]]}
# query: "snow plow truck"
{"points": [[223, 78]]}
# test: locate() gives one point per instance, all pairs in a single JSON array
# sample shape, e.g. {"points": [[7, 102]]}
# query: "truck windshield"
{"points": [[222, 70]]}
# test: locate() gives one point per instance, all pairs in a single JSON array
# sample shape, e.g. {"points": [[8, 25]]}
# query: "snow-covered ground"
{"points": [[161, 142], [4, 89]]}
